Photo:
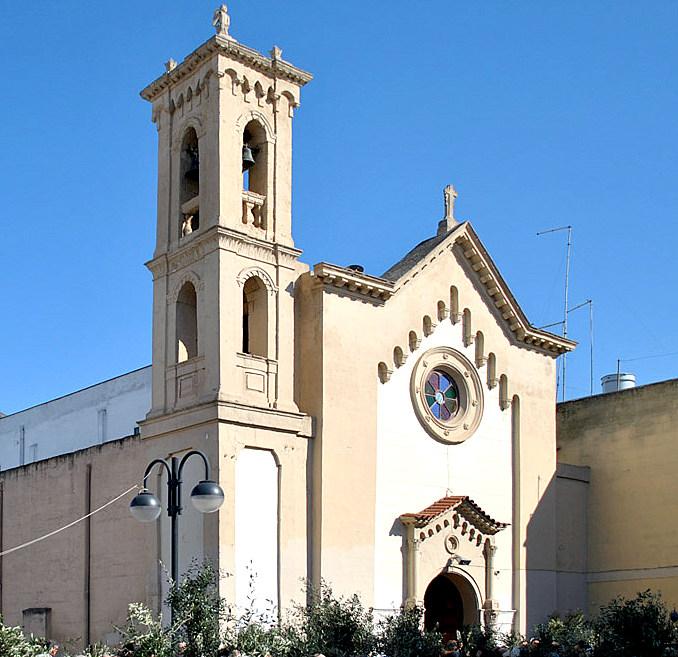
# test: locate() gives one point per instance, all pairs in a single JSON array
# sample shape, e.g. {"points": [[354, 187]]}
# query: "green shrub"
{"points": [[334, 627], [633, 628], [198, 611], [567, 632], [402, 635], [144, 635]]}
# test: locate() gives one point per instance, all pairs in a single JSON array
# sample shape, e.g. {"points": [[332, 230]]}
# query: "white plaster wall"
{"points": [[256, 531], [74, 421], [414, 470]]}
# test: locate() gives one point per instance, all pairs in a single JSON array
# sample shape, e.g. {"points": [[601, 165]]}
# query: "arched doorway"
{"points": [[443, 607], [449, 604]]}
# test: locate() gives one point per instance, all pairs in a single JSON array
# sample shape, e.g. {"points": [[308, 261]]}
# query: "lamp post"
{"points": [[207, 496]]}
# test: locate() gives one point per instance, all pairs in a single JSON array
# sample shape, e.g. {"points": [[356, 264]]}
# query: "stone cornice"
{"points": [[201, 244], [275, 68], [228, 412], [244, 244], [344, 280], [488, 275], [465, 239]]}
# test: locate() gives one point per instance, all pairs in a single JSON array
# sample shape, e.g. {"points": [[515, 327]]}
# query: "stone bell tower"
{"points": [[224, 260]]}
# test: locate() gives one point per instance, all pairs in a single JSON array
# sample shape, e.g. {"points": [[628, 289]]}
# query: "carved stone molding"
{"points": [[270, 252], [341, 279], [231, 49], [258, 272]]}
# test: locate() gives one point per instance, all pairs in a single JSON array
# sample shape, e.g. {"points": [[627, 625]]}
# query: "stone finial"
{"points": [[448, 222], [170, 65], [276, 52], [221, 21]]}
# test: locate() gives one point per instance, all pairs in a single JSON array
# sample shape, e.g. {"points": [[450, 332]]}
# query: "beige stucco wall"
{"points": [[628, 439], [46, 495], [343, 337]]}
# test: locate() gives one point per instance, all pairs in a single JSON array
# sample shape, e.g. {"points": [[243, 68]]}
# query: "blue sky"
{"points": [[541, 114]]}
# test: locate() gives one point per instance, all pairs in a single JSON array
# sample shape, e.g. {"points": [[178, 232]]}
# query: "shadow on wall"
{"points": [[556, 547]]}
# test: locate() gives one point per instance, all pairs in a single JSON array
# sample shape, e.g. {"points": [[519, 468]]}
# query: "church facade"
{"points": [[393, 435]]}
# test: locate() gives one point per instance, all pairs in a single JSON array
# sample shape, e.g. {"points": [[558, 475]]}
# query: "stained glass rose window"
{"points": [[442, 395]]}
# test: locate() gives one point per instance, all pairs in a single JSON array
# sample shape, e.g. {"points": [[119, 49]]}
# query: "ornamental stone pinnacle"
{"points": [[221, 21], [449, 221], [170, 65], [276, 52]]}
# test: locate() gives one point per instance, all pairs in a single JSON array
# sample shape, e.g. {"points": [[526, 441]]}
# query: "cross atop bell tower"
{"points": [[224, 225]]}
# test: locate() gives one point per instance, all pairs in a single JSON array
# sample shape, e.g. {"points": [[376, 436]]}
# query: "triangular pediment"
{"points": [[463, 239]]}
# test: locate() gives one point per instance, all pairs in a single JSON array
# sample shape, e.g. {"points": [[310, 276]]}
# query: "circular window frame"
{"points": [[462, 426]]}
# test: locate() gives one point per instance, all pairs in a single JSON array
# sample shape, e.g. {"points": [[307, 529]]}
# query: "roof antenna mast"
{"points": [[567, 290]]}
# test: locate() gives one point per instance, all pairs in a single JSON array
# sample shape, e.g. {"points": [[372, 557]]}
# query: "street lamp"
{"points": [[207, 496]]}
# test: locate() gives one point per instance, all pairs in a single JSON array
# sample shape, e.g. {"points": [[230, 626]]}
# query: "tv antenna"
{"points": [[567, 290]]}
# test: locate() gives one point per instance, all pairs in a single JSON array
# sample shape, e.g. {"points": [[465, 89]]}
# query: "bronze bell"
{"points": [[193, 169], [247, 158]]}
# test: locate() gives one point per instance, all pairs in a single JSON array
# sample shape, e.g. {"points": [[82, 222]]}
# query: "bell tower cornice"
{"points": [[274, 67]]}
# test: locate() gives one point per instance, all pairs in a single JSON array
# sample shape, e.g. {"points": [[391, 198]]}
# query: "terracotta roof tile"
{"points": [[464, 505]]}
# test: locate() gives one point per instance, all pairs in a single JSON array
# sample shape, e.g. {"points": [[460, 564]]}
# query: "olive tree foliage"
{"points": [[13, 642]]}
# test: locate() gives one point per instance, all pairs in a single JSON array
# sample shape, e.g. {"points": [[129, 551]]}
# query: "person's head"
{"points": [[454, 645], [52, 648]]}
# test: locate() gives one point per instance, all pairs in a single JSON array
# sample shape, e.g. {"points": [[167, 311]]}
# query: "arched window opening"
{"points": [[187, 323], [255, 173], [413, 341], [442, 311], [466, 325], [480, 349], [255, 317], [189, 193], [399, 357]]}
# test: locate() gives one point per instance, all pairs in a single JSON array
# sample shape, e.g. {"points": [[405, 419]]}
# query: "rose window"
{"points": [[442, 395]]}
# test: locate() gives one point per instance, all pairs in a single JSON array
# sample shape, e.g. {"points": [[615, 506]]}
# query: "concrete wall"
{"points": [[89, 573], [97, 414], [628, 439]]}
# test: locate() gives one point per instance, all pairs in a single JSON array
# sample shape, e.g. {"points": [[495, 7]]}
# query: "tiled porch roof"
{"points": [[462, 505]]}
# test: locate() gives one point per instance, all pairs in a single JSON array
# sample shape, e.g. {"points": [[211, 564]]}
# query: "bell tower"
{"points": [[224, 260]]}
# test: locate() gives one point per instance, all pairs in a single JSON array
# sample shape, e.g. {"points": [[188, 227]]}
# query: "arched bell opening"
{"points": [[186, 321], [189, 178], [255, 317], [254, 158], [255, 171], [450, 603]]}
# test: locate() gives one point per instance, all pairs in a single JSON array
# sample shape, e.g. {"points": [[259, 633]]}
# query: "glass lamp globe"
{"points": [[207, 496], [145, 506]]}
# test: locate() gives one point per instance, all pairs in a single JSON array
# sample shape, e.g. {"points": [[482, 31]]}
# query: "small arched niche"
{"points": [[480, 349], [454, 305], [413, 341], [255, 317], [491, 370], [467, 329], [504, 401], [189, 180], [187, 323]]}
